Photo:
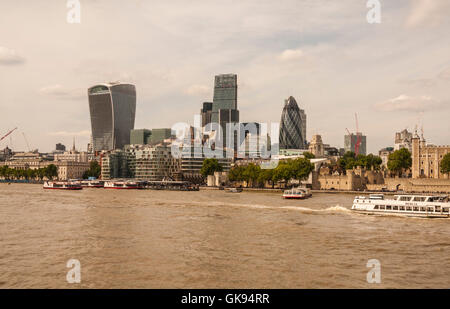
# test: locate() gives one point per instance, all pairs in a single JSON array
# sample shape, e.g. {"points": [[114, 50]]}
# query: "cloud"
{"points": [[404, 103], [62, 92], [198, 90], [427, 12], [10, 56], [291, 54], [65, 133], [445, 75]]}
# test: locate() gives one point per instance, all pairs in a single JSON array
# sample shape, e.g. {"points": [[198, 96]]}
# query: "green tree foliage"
{"points": [[93, 171], [399, 161], [350, 161], [210, 166], [286, 170], [309, 155], [445, 164], [8, 173]]}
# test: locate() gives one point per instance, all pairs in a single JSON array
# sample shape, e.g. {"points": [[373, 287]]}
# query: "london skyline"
{"points": [[331, 60]]}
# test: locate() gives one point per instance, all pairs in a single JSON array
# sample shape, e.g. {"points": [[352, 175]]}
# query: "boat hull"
{"points": [[400, 214]]}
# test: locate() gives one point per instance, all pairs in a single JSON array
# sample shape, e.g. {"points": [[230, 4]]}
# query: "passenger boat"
{"points": [[428, 206], [92, 183], [297, 193], [62, 185], [233, 190], [122, 185]]}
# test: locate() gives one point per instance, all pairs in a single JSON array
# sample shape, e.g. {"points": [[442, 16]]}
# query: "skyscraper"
{"points": [[292, 126], [350, 142], [224, 107], [113, 109], [206, 113]]}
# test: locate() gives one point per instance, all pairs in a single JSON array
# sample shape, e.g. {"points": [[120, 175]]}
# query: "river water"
{"points": [[211, 239]]}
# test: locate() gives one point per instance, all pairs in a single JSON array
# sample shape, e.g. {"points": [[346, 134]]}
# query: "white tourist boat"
{"points": [[62, 185], [297, 193], [429, 206], [120, 184], [92, 183]]}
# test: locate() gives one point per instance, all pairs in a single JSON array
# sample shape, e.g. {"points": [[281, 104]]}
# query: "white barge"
{"points": [[427, 206], [62, 185], [122, 185]]}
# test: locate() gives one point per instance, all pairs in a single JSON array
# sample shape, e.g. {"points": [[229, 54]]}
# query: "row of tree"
{"points": [[49, 172], [254, 175], [93, 171]]}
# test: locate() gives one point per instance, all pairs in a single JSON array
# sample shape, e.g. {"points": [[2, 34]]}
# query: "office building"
{"points": [[140, 137], [112, 107], [206, 113], [351, 141], [292, 126]]}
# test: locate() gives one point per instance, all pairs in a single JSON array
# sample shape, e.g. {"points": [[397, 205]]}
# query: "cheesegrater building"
{"points": [[113, 108]]}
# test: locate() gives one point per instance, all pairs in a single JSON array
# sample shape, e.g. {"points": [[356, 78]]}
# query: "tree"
{"points": [[399, 161], [236, 173], [251, 173], [445, 164], [210, 166], [301, 168], [51, 171], [93, 171], [309, 155]]}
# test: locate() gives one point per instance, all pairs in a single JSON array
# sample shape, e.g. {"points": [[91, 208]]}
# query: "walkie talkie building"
{"points": [[292, 126], [113, 109]]}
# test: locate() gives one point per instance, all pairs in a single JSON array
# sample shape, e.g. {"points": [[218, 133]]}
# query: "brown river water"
{"points": [[211, 239]]}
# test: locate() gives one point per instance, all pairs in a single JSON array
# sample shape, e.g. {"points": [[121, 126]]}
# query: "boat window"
{"points": [[423, 209], [419, 199], [376, 207], [408, 208], [416, 208], [444, 209], [382, 207], [395, 207], [388, 207], [430, 209], [405, 198], [437, 208], [402, 207]]}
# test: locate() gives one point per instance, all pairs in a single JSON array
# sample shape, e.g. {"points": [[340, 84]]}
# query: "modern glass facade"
{"points": [[350, 142], [140, 137], [292, 128], [113, 109]]}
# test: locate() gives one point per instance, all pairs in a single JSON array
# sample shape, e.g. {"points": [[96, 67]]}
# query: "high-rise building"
{"points": [[206, 113], [292, 126], [60, 147], [224, 108], [159, 135], [113, 109], [140, 137], [351, 140], [403, 140], [316, 147]]}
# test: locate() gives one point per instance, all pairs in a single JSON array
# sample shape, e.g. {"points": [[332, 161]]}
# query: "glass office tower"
{"points": [[113, 109], [292, 126]]}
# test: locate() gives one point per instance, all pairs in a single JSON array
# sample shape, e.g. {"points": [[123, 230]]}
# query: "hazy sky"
{"points": [[323, 52]]}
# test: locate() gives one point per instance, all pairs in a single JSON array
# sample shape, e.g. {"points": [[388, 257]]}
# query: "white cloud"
{"points": [[409, 104], [291, 54], [198, 90], [66, 133], [10, 56], [62, 92]]}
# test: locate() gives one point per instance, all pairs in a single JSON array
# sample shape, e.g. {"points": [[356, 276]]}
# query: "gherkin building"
{"points": [[292, 126]]}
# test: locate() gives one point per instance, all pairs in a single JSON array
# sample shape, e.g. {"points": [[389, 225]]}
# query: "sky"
{"points": [[394, 75]]}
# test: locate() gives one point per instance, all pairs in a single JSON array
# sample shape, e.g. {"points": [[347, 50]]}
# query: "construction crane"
{"points": [[26, 141], [6, 135]]}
